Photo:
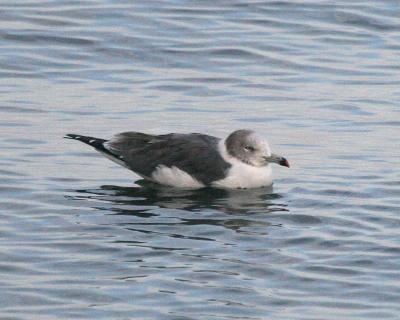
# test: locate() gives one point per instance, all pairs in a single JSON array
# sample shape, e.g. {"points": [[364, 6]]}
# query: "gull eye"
{"points": [[249, 148]]}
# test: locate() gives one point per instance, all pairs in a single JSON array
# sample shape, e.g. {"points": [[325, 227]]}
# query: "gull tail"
{"points": [[99, 145], [91, 141]]}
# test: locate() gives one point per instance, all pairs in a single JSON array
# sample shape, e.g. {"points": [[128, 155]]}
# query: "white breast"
{"points": [[242, 175], [175, 177]]}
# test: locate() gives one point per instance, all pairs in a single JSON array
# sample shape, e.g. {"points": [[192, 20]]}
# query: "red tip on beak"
{"points": [[287, 164], [284, 163]]}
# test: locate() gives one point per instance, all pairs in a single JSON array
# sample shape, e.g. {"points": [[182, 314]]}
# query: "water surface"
{"points": [[79, 239]]}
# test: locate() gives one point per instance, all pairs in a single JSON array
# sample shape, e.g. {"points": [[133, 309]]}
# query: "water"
{"points": [[320, 79]]}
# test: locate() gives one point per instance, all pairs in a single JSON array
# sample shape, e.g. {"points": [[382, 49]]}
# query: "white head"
{"points": [[252, 149]]}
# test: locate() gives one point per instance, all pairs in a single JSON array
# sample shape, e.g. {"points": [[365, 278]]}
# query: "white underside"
{"points": [[175, 177], [242, 175]]}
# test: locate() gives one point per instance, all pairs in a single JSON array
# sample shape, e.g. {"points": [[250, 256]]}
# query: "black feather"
{"points": [[96, 143]]}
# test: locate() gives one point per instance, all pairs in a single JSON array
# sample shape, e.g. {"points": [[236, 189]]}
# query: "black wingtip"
{"points": [[71, 136], [91, 141]]}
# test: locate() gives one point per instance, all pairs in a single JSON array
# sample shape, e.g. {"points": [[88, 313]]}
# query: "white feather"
{"points": [[175, 177], [242, 175]]}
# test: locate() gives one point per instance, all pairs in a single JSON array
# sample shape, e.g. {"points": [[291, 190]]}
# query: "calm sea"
{"points": [[320, 79]]}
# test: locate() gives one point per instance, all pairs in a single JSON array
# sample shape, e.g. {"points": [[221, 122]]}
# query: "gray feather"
{"points": [[197, 154]]}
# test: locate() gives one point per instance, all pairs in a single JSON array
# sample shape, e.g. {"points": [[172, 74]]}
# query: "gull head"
{"points": [[252, 149]]}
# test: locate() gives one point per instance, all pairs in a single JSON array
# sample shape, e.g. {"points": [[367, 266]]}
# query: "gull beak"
{"points": [[284, 162], [274, 158]]}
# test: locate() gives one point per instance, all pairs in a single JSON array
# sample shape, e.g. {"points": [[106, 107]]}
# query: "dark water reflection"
{"points": [[239, 206], [244, 202]]}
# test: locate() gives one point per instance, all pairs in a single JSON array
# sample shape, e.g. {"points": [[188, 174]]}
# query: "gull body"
{"points": [[194, 160]]}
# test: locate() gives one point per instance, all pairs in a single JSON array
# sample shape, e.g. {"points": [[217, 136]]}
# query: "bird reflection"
{"points": [[154, 209], [141, 200]]}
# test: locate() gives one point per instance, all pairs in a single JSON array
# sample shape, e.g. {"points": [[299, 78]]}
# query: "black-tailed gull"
{"points": [[193, 160]]}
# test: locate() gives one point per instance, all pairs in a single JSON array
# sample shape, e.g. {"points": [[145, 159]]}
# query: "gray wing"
{"points": [[197, 154]]}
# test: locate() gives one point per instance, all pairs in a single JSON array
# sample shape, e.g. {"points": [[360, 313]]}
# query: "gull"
{"points": [[193, 160]]}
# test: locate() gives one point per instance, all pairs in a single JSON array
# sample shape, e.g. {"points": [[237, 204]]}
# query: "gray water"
{"points": [[79, 239]]}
